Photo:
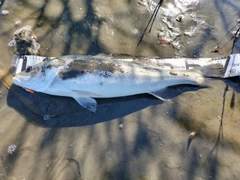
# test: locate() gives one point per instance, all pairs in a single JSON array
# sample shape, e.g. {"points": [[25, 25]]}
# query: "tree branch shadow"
{"points": [[211, 160]]}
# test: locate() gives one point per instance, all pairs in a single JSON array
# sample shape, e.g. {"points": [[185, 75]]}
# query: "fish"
{"points": [[85, 78]]}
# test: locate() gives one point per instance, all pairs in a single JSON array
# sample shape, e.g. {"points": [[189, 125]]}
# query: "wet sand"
{"points": [[136, 137]]}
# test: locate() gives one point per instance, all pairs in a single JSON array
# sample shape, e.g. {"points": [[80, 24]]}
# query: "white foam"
{"points": [[11, 148], [189, 2], [27, 28], [25, 34]]}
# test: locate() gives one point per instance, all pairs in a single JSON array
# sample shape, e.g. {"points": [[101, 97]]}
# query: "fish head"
{"points": [[39, 76]]}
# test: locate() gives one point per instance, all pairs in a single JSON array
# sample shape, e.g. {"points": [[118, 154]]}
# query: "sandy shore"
{"points": [[136, 137]]}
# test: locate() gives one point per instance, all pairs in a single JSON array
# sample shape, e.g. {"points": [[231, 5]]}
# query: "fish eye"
{"points": [[29, 68]]}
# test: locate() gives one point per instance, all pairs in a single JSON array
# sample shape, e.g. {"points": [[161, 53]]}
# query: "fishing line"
{"points": [[152, 19], [221, 47], [236, 36], [155, 15]]}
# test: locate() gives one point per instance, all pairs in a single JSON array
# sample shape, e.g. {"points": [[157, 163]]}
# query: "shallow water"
{"points": [[135, 137]]}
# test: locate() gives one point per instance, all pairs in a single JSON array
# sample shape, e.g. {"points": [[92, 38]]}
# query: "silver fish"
{"points": [[86, 77]]}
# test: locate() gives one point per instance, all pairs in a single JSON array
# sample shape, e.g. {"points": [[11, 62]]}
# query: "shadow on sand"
{"points": [[66, 112]]}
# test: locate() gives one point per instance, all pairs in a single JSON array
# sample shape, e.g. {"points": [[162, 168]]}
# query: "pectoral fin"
{"points": [[87, 102], [158, 97], [159, 94]]}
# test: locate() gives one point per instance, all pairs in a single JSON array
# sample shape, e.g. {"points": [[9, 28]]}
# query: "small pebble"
{"points": [[120, 126], [5, 12], [18, 22], [179, 18], [192, 135]]}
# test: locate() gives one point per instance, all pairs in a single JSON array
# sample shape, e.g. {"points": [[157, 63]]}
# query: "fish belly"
{"points": [[115, 86]]}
